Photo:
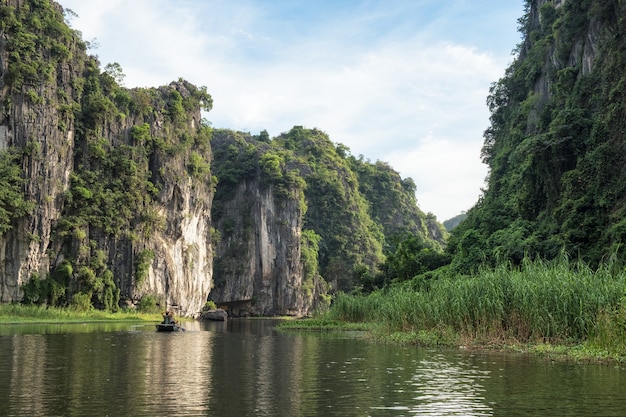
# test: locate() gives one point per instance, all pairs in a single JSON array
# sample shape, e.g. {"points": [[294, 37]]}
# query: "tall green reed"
{"points": [[558, 300]]}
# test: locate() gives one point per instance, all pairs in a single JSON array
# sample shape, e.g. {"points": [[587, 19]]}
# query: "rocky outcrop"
{"points": [[217, 314], [72, 123], [258, 269], [183, 263], [578, 50], [34, 119]]}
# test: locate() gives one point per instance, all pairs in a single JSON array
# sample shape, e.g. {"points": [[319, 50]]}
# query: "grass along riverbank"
{"points": [[19, 313], [556, 308]]}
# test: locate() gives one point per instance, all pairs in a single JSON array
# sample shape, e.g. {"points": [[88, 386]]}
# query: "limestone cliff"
{"points": [[556, 143], [258, 267], [118, 179], [34, 119]]}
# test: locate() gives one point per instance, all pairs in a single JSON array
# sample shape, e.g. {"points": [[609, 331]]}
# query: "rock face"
{"points": [[183, 262], [214, 315], [75, 122], [581, 51], [32, 120], [258, 269]]}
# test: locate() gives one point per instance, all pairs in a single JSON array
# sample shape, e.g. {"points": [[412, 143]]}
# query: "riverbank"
{"points": [[19, 313], [559, 309], [447, 338]]}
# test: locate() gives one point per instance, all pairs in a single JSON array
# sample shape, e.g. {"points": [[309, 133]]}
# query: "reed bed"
{"points": [[559, 301]]}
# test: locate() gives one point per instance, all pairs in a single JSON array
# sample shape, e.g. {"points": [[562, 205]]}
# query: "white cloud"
{"points": [[401, 95]]}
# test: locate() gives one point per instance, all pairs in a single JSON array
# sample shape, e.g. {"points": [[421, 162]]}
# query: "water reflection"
{"points": [[248, 368], [26, 377], [175, 376], [447, 389], [395, 381], [257, 374]]}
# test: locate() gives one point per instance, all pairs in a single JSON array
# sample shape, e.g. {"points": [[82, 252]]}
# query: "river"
{"points": [[248, 368]]}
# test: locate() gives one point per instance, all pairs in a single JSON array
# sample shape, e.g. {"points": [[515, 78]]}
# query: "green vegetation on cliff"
{"points": [[353, 210], [115, 185], [121, 141], [556, 144], [13, 205]]}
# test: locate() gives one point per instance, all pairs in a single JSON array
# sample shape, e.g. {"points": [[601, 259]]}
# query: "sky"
{"points": [[400, 81]]}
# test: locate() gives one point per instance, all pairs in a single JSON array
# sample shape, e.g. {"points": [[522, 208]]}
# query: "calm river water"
{"points": [[248, 368]]}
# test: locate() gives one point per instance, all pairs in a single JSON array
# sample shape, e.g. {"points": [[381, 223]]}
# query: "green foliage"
{"points": [[271, 166], [142, 266], [21, 313], [115, 71], [81, 302], [13, 204], [197, 166], [149, 303], [309, 253], [114, 195], [175, 107], [354, 308], [392, 201], [109, 295], [235, 157], [413, 256], [555, 143], [557, 301], [96, 281], [141, 134], [209, 305], [63, 273], [264, 136], [42, 292], [36, 41], [200, 97], [609, 333]]}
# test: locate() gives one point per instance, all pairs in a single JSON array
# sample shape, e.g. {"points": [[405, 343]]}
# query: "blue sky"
{"points": [[401, 81]]}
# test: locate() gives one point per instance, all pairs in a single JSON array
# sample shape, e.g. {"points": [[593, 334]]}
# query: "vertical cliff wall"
{"points": [[259, 217], [167, 251], [116, 183], [258, 269], [37, 86], [556, 143]]}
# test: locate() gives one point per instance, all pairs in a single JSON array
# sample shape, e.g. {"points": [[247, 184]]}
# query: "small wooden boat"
{"points": [[168, 324], [168, 327]]}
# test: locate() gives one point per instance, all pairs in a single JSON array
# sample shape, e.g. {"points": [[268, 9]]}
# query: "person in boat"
{"points": [[168, 318]]}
